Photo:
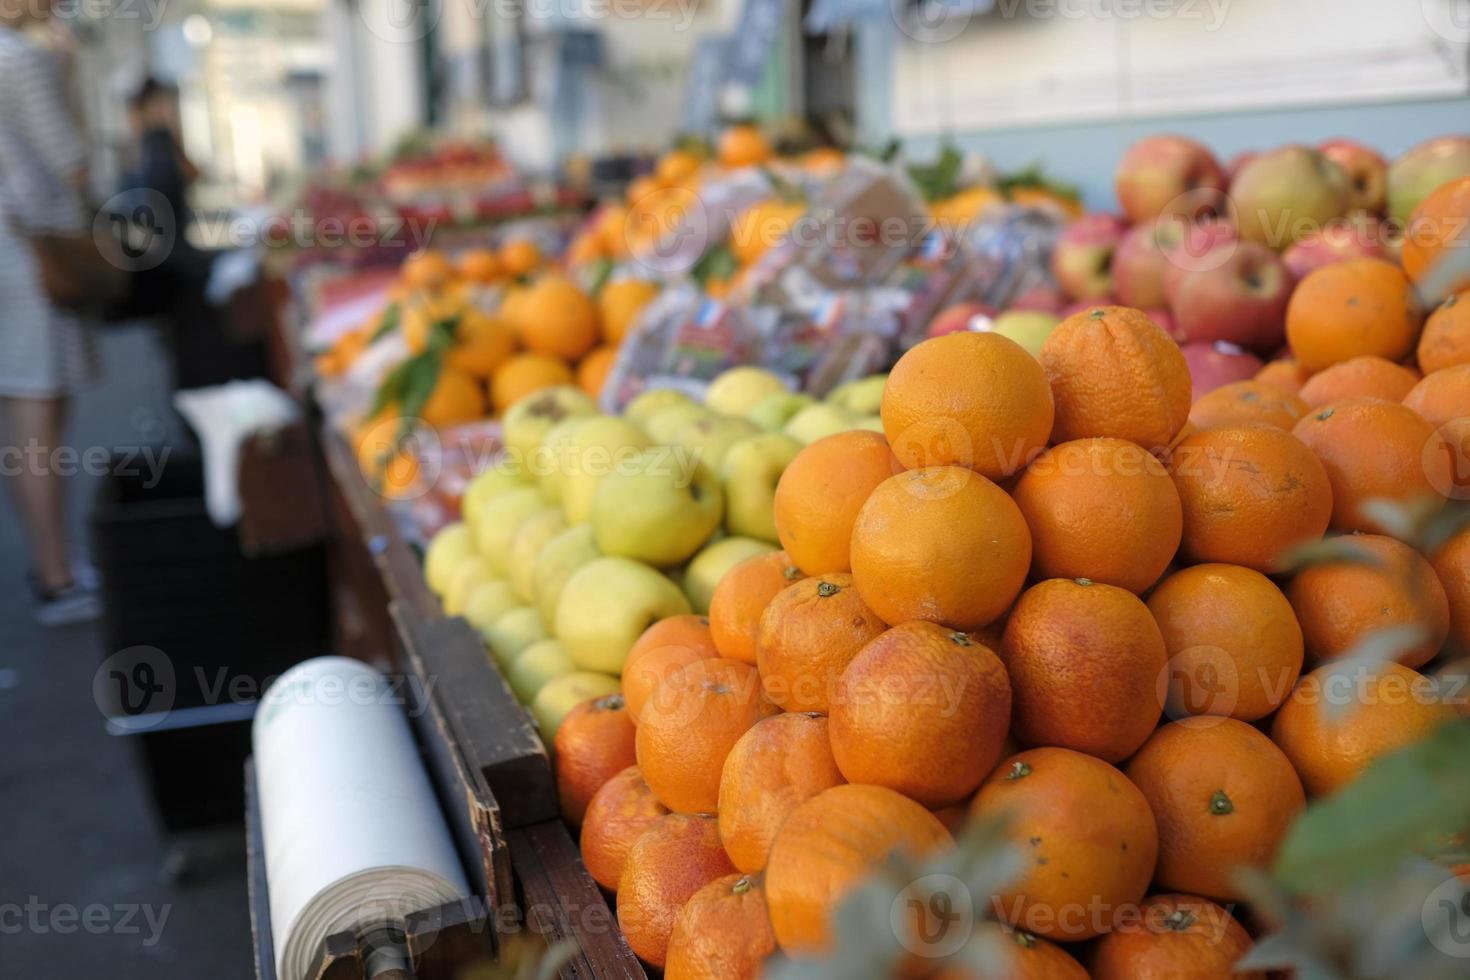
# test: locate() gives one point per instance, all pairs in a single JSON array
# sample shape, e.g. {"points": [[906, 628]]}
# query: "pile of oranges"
{"points": [[1055, 588]]}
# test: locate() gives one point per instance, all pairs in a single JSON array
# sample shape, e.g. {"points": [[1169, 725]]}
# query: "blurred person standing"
{"points": [[46, 353]]}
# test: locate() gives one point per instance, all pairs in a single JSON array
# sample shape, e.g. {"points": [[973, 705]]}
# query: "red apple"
{"points": [[1141, 261], [1286, 194], [1367, 173], [1213, 365], [1355, 237], [1043, 298], [1164, 320], [1169, 174], [953, 319], [1421, 171], [1202, 247], [1083, 259], [1241, 301]]}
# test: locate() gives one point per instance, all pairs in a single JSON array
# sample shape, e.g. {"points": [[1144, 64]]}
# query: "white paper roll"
{"points": [[352, 833]]}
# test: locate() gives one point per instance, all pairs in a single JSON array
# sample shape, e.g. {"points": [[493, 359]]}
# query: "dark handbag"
{"points": [[78, 270]]}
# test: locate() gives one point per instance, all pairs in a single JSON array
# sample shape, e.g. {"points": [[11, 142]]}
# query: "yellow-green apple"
{"points": [[818, 421], [659, 508], [489, 483], [1172, 174], [535, 531], [709, 566], [861, 397], [527, 421], [539, 663], [1423, 170], [1358, 236], [957, 317], [448, 547], [1141, 260], [607, 604], [654, 400], [487, 602], [499, 520], [662, 425], [1285, 194], [1237, 163], [1241, 301], [546, 459], [562, 555], [513, 632], [738, 390], [1029, 328], [469, 573], [749, 474], [708, 440], [1082, 262], [560, 695], [597, 448], [775, 411], [1213, 365], [1367, 173]]}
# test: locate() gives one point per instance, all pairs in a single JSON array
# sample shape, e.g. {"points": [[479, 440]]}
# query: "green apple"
{"points": [[527, 422], [658, 508], [467, 575], [487, 603], [452, 544], [710, 565], [538, 663], [873, 423], [662, 425], [546, 461], [654, 400], [513, 632], [533, 535], [499, 520], [561, 694], [563, 555], [818, 422], [1029, 328], [774, 411], [597, 448], [490, 483], [709, 439], [860, 397], [607, 604], [749, 475], [736, 391]]}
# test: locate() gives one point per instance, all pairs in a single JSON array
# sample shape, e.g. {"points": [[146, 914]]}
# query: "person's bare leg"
{"points": [[34, 426]]}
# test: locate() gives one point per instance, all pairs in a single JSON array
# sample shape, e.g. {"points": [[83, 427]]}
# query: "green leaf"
{"points": [[1328, 551], [389, 322], [1405, 803], [716, 264], [602, 271], [419, 381], [390, 390], [442, 334]]}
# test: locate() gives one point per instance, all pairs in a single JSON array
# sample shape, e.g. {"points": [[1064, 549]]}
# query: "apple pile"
{"points": [[592, 526]]}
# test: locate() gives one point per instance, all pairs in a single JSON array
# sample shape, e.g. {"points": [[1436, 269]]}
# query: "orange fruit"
{"points": [[1174, 936], [480, 265], [1250, 494], [825, 848], [687, 630], [924, 711], [943, 544], [689, 724], [967, 399], [722, 933], [618, 306], [1439, 226], [1089, 840], [741, 596], [808, 634], [1451, 562], [457, 398], [519, 257], [1359, 377], [421, 312], [820, 493], [1373, 449], [483, 344], [1445, 341], [1338, 721], [761, 225], [585, 247], [1113, 372], [1352, 308], [617, 815], [593, 744], [556, 318], [1247, 403], [1234, 643], [1102, 509], [1442, 396], [665, 868], [1224, 797], [676, 166], [779, 764], [1284, 374], [743, 145], [427, 269], [650, 668], [1387, 585], [595, 367], [1030, 958], [1069, 644], [1456, 446], [525, 374]]}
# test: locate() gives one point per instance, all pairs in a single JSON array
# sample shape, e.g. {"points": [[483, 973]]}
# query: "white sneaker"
{"points": [[73, 604]]}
